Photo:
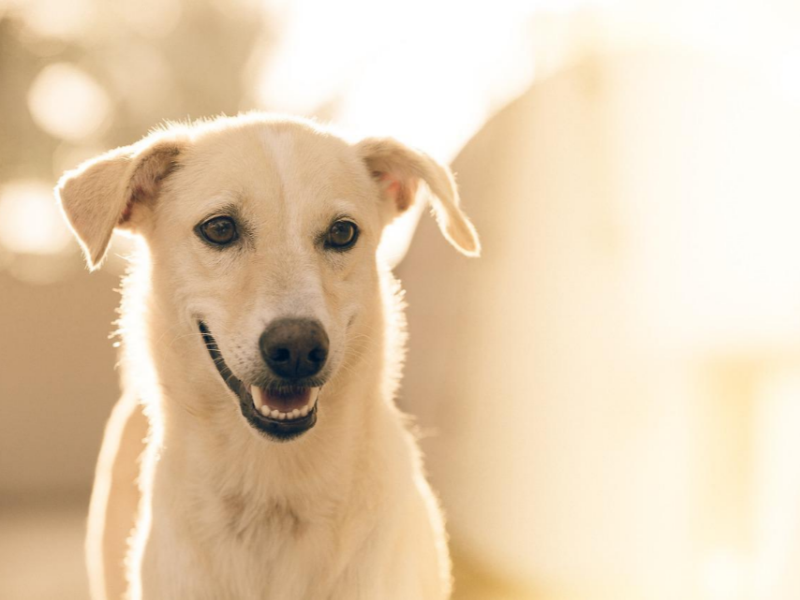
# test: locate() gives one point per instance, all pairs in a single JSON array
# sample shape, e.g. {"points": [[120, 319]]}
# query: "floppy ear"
{"points": [[398, 171], [111, 191]]}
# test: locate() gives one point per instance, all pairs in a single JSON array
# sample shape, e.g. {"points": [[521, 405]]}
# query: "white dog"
{"points": [[262, 340]]}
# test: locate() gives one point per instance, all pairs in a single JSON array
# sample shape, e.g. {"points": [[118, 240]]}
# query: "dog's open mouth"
{"points": [[281, 411], [288, 404]]}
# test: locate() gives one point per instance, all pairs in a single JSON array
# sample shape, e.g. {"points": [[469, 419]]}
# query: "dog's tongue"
{"points": [[287, 401]]}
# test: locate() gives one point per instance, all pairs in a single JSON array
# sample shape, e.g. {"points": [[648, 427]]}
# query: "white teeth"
{"points": [[258, 401], [273, 413]]}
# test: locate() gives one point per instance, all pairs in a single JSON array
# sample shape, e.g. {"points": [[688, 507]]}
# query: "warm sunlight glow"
{"points": [[726, 577], [787, 71], [30, 222], [67, 103], [427, 81], [778, 499]]}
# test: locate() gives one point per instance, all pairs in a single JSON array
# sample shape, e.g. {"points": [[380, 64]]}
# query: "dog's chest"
{"points": [[271, 550], [240, 550]]}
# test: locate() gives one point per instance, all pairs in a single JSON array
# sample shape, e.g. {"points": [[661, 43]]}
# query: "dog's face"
{"points": [[266, 240], [263, 238]]}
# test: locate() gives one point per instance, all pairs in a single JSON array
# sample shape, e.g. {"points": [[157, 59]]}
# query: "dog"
{"points": [[256, 452]]}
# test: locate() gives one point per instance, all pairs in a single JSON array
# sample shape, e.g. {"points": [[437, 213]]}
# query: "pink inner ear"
{"points": [[392, 184], [126, 214], [402, 195], [145, 182]]}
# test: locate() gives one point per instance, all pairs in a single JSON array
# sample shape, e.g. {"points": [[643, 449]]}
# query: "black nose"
{"points": [[294, 348]]}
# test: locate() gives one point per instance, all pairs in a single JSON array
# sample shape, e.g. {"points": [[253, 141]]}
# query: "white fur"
{"points": [[342, 512]]}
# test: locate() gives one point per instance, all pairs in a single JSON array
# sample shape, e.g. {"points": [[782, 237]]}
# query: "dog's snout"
{"points": [[294, 348]]}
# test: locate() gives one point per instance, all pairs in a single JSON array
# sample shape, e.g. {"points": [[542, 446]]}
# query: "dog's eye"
{"points": [[219, 231], [342, 235]]}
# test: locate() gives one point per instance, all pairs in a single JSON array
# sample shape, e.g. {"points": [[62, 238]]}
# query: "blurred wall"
{"points": [[58, 381], [603, 368]]}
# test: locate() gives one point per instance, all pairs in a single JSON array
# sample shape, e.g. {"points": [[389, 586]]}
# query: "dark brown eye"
{"points": [[342, 235], [219, 231]]}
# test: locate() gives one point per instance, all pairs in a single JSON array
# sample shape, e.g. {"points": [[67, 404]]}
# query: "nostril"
{"points": [[280, 355], [318, 355]]}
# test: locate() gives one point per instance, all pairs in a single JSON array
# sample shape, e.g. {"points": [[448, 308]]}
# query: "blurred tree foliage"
{"points": [[155, 61]]}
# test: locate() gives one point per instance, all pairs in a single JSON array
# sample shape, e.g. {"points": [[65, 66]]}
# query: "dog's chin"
{"points": [[279, 411]]}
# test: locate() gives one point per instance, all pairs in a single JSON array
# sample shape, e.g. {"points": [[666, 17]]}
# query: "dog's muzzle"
{"points": [[295, 350]]}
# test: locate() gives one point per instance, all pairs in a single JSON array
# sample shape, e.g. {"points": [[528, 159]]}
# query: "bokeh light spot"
{"points": [[151, 18], [67, 103], [30, 222], [58, 19]]}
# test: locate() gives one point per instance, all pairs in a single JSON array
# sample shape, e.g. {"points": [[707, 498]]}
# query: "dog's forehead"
{"points": [[274, 165]]}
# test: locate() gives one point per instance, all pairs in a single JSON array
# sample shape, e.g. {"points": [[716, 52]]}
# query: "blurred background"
{"points": [[610, 396]]}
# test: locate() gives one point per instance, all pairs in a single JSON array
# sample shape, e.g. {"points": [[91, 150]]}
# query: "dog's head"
{"points": [[263, 236]]}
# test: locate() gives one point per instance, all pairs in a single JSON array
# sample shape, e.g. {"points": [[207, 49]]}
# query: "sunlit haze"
{"points": [[609, 398]]}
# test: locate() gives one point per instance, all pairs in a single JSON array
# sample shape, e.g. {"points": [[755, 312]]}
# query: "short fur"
{"points": [[342, 512]]}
